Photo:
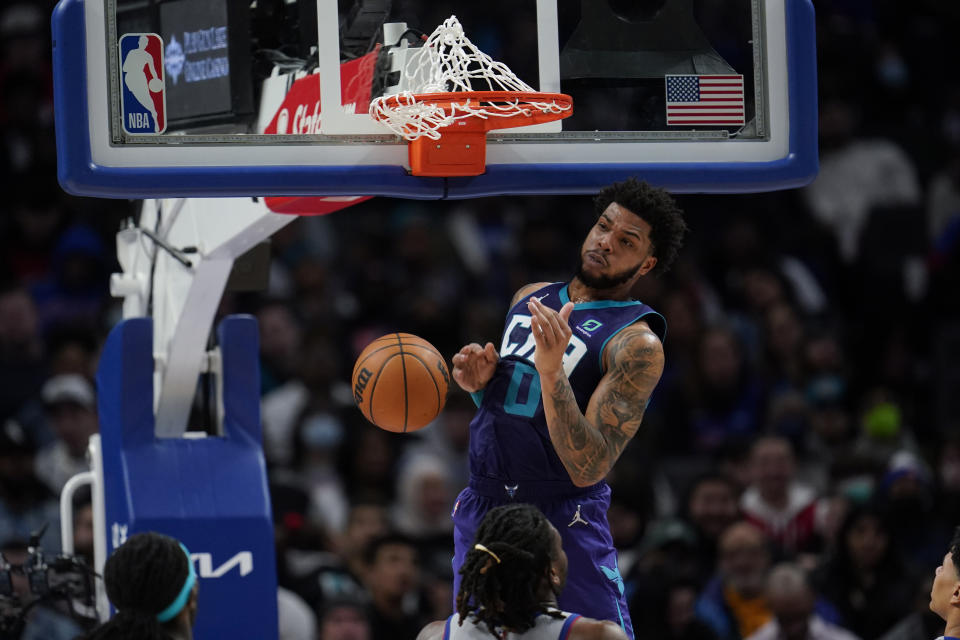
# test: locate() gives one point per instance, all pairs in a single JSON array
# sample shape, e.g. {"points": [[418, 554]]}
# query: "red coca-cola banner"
{"points": [[300, 114]]}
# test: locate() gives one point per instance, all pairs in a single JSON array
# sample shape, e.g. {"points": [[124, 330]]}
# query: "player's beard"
{"points": [[601, 283]]}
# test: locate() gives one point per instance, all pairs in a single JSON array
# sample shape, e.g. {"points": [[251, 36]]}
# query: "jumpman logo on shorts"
{"points": [[577, 518]]}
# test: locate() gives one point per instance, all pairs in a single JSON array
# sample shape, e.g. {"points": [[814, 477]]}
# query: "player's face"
{"points": [[617, 249], [946, 587]]}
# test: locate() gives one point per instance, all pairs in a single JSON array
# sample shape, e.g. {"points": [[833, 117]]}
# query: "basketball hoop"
{"points": [[445, 118]]}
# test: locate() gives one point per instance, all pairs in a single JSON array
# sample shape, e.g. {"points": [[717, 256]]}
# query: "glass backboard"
{"points": [[158, 98]]}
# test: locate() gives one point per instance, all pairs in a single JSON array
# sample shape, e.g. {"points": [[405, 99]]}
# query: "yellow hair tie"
{"points": [[480, 547]]}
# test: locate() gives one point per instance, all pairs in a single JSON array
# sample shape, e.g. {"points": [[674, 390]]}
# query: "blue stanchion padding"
{"points": [[210, 493]]}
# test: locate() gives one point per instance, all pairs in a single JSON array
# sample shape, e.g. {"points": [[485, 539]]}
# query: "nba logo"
{"points": [[143, 100]]}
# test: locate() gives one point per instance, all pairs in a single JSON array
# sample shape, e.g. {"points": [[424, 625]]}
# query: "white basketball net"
{"points": [[448, 61]]}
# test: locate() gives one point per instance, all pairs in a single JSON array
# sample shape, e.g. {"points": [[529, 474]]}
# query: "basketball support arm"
{"points": [[175, 264]]}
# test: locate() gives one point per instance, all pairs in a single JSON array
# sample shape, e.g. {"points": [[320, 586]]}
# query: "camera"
{"points": [[62, 581]]}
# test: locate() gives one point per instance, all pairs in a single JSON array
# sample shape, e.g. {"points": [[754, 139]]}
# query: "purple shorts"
{"points": [[594, 587]]}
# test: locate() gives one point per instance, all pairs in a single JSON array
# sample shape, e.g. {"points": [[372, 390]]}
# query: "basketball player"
{"points": [[509, 585], [151, 582], [945, 594], [558, 404]]}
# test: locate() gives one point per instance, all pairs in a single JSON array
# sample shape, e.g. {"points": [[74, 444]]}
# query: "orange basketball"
{"points": [[400, 382]]}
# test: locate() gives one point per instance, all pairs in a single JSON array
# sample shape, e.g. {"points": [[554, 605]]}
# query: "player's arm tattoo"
{"points": [[589, 445]]}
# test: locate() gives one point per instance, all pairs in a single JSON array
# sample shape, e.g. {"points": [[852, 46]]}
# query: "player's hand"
{"points": [[473, 366], [551, 332]]}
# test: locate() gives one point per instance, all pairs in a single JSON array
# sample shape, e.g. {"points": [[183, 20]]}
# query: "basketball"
{"points": [[156, 85], [400, 382]]}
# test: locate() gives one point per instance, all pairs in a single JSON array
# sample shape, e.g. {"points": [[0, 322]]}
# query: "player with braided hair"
{"points": [[151, 582], [511, 578]]}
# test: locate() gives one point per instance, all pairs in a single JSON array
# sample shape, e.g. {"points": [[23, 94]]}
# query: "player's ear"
{"points": [[190, 611], [648, 265], [955, 596], [552, 578]]}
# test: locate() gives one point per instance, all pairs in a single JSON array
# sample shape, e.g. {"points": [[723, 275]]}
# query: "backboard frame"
{"points": [[89, 164]]}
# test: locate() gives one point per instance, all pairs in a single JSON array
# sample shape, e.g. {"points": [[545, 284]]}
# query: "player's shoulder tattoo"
{"points": [[636, 348]]}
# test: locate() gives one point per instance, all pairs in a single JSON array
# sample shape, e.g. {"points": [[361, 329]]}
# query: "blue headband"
{"points": [[180, 602]]}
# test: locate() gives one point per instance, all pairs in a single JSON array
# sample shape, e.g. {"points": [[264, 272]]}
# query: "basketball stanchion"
{"points": [[446, 118]]}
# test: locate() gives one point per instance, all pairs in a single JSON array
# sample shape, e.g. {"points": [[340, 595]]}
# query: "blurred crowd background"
{"points": [[800, 456]]}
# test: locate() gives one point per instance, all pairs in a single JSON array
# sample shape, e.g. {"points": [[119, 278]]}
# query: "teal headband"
{"points": [[181, 600]]}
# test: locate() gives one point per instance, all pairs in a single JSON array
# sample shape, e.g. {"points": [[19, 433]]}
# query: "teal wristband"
{"points": [[181, 600], [477, 397]]}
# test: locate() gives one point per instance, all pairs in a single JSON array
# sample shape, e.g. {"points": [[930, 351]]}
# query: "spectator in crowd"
{"points": [[26, 503], [776, 501], [665, 556], [783, 334], [73, 351], [448, 438], [281, 339], [392, 577], [36, 219], [425, 498], [792, 600], [788, 416], [161, 608], [883, 431], [831, 432], [856, 174], [726, 402], [711, 507], [22, 365], [344, 620], [907, 492], [678, 619], [75, 291], [72, 412], [317, 388], [369, 466], [733, 602], [317, 440], [863, 577], [628, 516], [341, 575]]}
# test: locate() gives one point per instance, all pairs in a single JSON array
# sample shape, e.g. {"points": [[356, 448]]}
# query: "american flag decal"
{"points": [[694, 100]]}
